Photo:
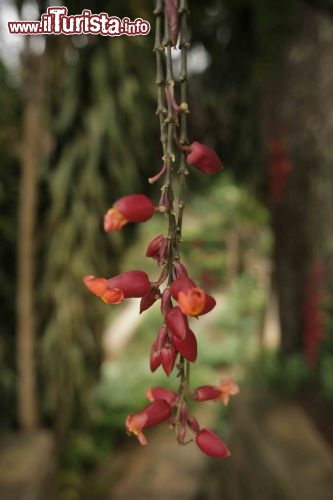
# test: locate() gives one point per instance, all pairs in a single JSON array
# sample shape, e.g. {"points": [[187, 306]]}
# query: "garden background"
{"points": [[78, 130]]}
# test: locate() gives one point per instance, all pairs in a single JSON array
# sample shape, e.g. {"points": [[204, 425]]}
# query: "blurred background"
{"points": [[77, 131]]}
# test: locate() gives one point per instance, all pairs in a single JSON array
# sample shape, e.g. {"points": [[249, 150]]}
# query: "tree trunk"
{"points": [[32, 131], [297, 129]]}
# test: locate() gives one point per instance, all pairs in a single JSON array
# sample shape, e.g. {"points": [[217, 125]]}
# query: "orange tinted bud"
{"points": [[114, 220], [131, 208], [113, 296], [98, 286], [192, 302]]}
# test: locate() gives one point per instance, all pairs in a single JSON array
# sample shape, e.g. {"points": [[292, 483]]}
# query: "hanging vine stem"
{"points": [[168, 121], [183, 139]]}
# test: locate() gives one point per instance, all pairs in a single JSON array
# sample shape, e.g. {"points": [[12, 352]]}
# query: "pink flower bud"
{"points": [[211, 444], [177, 322], [203, 158], [181, 434], [187, 347], [131, 208]]}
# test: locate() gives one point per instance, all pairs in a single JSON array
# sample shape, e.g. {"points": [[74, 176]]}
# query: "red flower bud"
{"points": [[181, 271], [187, 347], [131, 208], [149, 299], [177, 322], [211, 444], [132, 283], [166, 304], [162, 337], [203, 158], [206, 392], [168, 357], [155, 357], [223, 392], [157, 249], [155, 393]]}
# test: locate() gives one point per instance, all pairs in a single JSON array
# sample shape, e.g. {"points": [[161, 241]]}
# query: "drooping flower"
{"points": [[203, 158], [211, 444], [116, 289], [228, 388], [191, 299], [99, 286], [156, 412], [131, 208], [223, 392]]}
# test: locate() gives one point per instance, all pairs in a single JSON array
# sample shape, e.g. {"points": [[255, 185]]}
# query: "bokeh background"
{"points": [[78, 130]]}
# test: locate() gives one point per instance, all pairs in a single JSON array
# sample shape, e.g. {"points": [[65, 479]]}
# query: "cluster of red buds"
{"points": [[180, 298]]}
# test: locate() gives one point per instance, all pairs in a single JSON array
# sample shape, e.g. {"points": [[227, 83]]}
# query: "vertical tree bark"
{"points": [[298, 113], [32, 130]]}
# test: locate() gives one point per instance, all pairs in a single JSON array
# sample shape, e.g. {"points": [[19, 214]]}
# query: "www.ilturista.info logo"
{"points": [[56, 22]]}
